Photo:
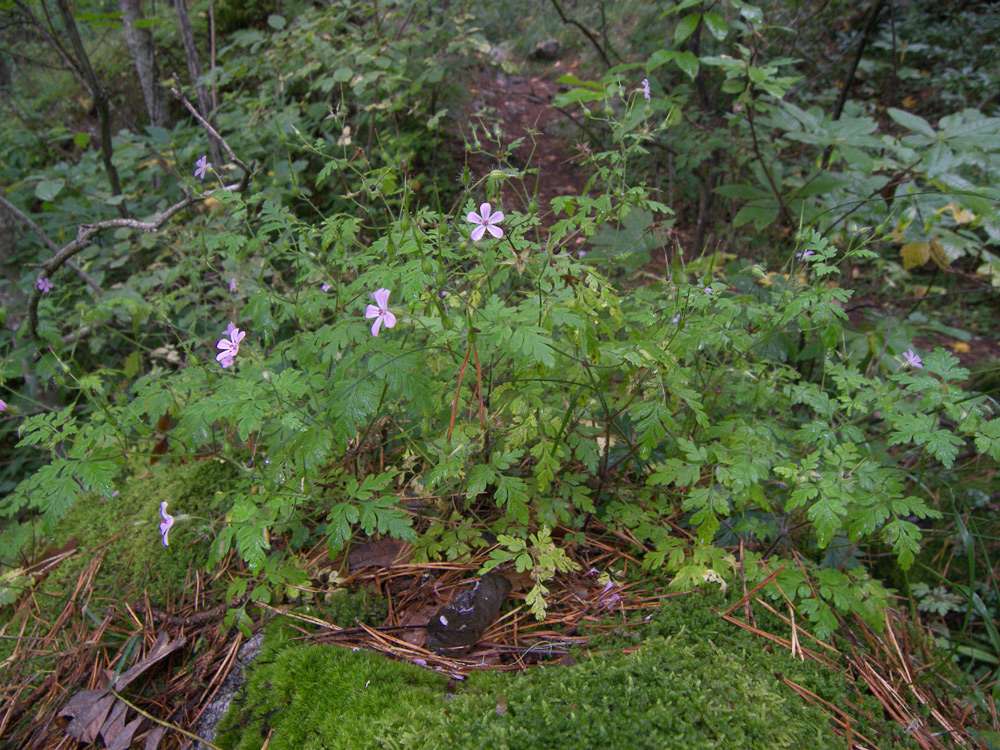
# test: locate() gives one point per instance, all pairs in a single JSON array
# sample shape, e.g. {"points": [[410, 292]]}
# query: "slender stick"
{"points": [[479, 388], [458, 389]]}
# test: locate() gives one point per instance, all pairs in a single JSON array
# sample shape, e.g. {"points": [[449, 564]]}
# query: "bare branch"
{"points": [[87, 232], [584, 29], [211, 131], [84, 276]]}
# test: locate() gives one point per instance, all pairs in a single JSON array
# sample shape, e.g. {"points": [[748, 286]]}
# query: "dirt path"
{"points": [[520, 105]]}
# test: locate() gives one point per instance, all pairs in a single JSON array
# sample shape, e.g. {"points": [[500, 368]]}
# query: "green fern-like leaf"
{"points": [[827, 516], [536, 601], [512, 492], [342, 518], [534, 343], [945, 445], [381, 515]]}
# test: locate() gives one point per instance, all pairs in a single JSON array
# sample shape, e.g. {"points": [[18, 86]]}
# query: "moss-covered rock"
{"points": [[136, 560], [126, 529], [688, 680], [320, 696]]}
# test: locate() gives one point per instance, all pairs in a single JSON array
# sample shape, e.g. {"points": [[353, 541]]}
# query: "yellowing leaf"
{"points": [[962, 215], [915, 254], [910, 102], [959, 347], [939, 256]]}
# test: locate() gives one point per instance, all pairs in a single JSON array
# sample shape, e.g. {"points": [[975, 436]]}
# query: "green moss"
{"points": [[693, 681], [347, 608], [137, 561], [126, 527], [668, 693], [318, 696]]}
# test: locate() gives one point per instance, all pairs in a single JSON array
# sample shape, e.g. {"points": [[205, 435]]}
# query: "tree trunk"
{"points": [[140, 42], [100, 99], [6, 76], [194, 70]]}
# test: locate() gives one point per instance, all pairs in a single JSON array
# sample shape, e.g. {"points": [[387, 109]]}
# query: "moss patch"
{"points": [[692, 681], [136, 561], [326, 697]]}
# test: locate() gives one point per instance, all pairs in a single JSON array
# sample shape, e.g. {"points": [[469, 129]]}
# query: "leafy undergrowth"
{"points": [[121, 531], [684, 678], [557, 379]]}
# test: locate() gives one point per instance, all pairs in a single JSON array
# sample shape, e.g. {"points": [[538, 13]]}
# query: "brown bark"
{"points": [[140, 43], [194, 70], [82, 62]]}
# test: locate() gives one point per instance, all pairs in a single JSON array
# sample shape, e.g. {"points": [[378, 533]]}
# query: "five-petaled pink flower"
{"points": [[912, 359], [230, 347], [44, 285], [166, 522], [380, 311], [202, 166], [645, 88], [325, 287], [486, 221], [804, 254]]}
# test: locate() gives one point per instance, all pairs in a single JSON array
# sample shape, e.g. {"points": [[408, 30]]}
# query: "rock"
{"points": [[546, 51], [234, 681], [457, 627]]}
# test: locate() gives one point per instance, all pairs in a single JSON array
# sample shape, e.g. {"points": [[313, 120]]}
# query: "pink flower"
{"points": [[44, 285], [380, 311], [3, 405], [486, 221], [232, 285], [912, 359], [645, 88], [202, 166], [230, 347], [166, 522], [804, 254], [325, 287]]}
